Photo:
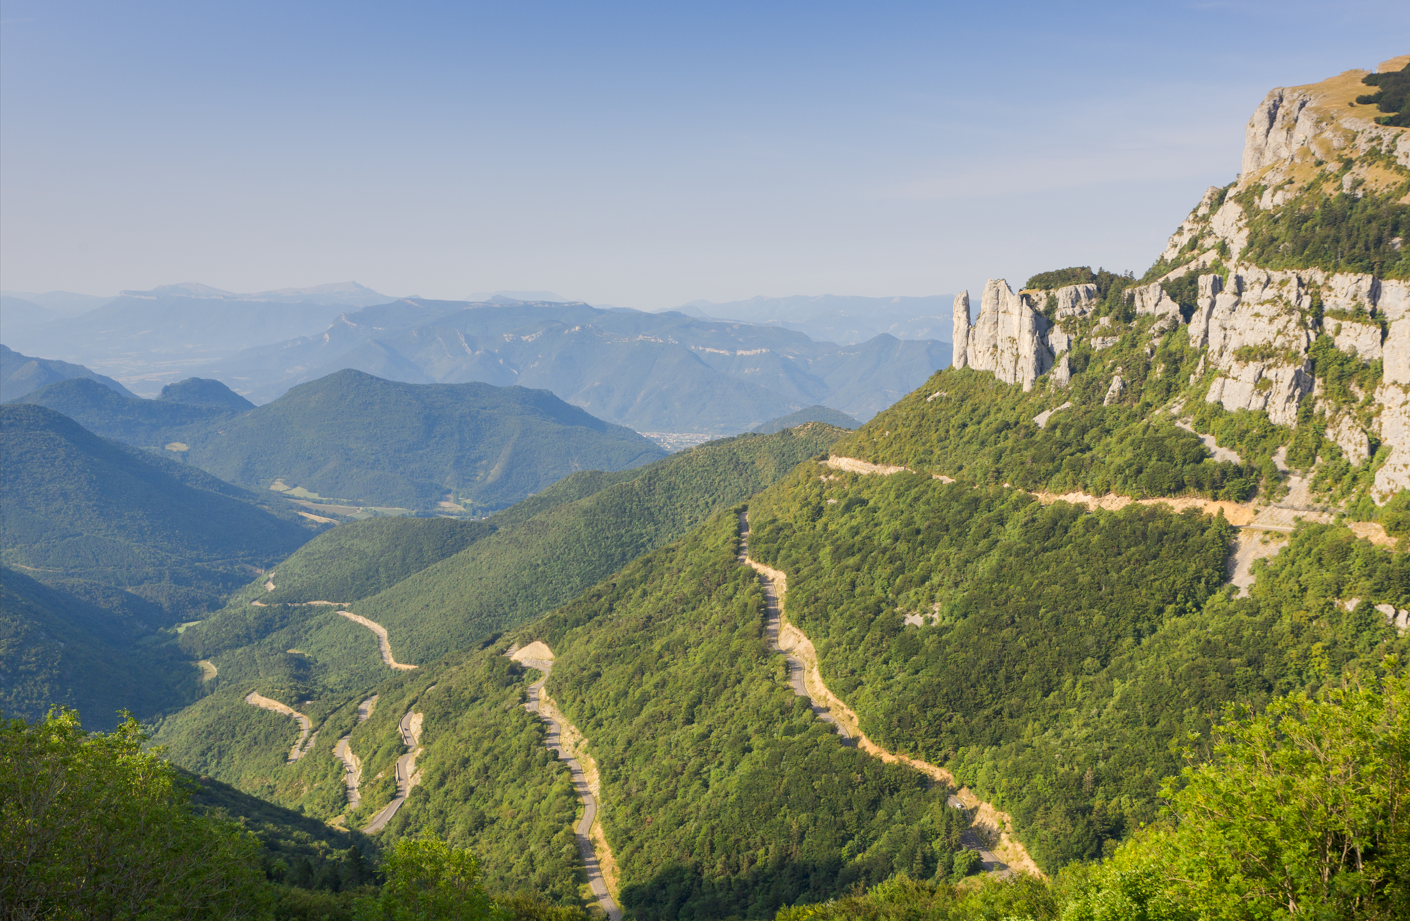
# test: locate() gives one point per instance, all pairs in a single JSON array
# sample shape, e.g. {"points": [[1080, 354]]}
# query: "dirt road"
{"points": [[299, 749], [988, 821], [772, 580], [352, 764], [564, 738], [383, 644], [407, 778]]}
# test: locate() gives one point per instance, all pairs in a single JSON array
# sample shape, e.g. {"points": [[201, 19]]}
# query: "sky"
{"points": [[642, 155]]}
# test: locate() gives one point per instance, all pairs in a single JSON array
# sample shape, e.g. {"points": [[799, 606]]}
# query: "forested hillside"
{"points": [[59, 650], [453, 585], [124, 529], [355, 437]]}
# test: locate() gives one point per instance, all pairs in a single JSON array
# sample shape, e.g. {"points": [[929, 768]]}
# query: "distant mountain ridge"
{"points": [[653, 372], [21, 375], [844, 319]]}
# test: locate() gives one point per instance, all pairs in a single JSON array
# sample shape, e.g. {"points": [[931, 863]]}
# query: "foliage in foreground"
{"points": [[95, 827], [1299, 813]]}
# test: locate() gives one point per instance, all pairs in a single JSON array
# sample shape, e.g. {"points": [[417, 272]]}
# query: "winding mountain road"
{"points": [[383, 644], [299, 749], [561, 738], [775, 584], [352, 764], [805, 677], [407, 778]]}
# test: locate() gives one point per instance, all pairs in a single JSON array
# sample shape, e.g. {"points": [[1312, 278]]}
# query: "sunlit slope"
{"points": [[433, 597], [529, 567], [1056, 658]]}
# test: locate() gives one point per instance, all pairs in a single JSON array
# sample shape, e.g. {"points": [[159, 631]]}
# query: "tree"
{"points": [[427, 880], [96, 827], [1300, 813]]}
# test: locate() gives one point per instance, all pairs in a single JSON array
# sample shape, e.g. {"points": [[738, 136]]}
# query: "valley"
{"points": [[1105, 618]]}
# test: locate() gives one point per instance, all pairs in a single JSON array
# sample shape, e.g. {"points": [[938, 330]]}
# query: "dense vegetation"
{"points": [[567, 538], [124, 529], [1065, 654], [96, 826], [356, 437], [21, 374], [728, 797], [130, 419], [1298, 812], [60, 650], [981, 431], [1344, 232], [824, 414], [1393, 96]]}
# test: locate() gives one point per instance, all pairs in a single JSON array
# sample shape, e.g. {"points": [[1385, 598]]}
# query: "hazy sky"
{"points": [[642, 155]]}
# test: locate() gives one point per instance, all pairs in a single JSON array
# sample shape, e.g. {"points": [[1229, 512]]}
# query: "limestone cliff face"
{"points": [[1256, 325], [1009, 338]]}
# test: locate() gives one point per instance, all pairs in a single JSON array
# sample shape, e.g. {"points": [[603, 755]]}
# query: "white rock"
{"points": [[1394, 421], [1113, 393], [1396, 352], [1276, 130], [1041, 420], [1346, 432], [1229, 225], [1348, 291], [1151, 300], [1393, 299], [1007, 339], [1075, 301], [962, 328], [1062, 371], [1360, 339]]}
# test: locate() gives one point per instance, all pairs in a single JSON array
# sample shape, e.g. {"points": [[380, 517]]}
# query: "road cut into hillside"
{"points": [[352, 764], [383, 644], [806, 678], [406, 773], [299, 749], [565, 739]]}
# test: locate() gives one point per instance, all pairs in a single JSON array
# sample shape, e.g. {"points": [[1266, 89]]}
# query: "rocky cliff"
{"points": [[1306, 243]]}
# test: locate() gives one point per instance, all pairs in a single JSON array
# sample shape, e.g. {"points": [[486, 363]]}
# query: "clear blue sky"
{"points": [[643, 155]]}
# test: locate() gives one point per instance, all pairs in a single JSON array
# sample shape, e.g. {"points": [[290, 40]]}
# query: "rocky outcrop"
{"points": [[1254, 326], [1151, 300], [961, 328], [1008, 338], [1362, 339]]}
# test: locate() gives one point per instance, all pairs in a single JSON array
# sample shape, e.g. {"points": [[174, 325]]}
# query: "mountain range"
{"points": [[846, 320], [1107, 619], [652, 372], [360, 440]]}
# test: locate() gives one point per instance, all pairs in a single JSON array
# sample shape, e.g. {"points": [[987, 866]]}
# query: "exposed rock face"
{"points": [[1278, 128], [961, 331], [1360, 339], [1075, 301], [1008, 338], [1254, 326], [1151, 300], [1348, 435]]}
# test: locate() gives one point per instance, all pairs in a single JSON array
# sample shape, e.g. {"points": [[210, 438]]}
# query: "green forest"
{"points": [[1065, 654]]}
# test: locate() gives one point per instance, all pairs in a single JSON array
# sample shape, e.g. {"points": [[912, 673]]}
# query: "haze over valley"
{"points": [[1079, 594]]}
